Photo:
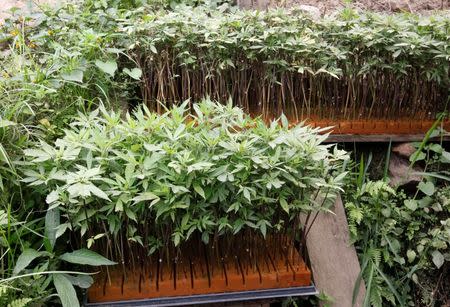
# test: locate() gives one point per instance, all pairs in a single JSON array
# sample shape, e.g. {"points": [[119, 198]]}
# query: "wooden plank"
{"points": [[334, 262]]}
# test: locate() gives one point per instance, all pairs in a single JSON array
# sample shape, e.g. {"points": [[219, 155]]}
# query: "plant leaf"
{"points": [[391, 286], [27, 256], [52, 197], [97, 192], [75, 75], [135, 73], [52, 221], [6, 123], [438, 258], [108, 67], [426, 187], [199, 190], [87, 257], [411, 204], [65, 290], [284, 205], [146, 196], [411, 255], [82, 281]]}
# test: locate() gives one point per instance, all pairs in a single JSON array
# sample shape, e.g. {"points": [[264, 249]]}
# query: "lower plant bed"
{"points": [[203, 269], [374, 127]]}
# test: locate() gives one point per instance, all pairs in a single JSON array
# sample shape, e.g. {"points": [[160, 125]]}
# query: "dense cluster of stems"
{"points": [[347, 67]]}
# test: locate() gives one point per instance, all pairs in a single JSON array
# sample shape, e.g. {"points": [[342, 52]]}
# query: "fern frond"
{"points": [[378, 188], [375, 296], [387, 295], [375, 255], [353, 230], [356, 214]]}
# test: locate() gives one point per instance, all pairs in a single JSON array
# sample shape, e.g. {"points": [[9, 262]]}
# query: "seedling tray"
{"points": [[205, 275], [377, 127]]}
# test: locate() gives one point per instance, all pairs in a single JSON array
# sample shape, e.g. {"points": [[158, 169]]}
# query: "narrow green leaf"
{"points": [[146, 196], [263, 228], [27, 256], [52, 221], [87, 257], [366, 302], [131, 215], [391, 287], [284, 205], [199, 190], [66, 291], [52, 197], [6, 123], [97, 192]]}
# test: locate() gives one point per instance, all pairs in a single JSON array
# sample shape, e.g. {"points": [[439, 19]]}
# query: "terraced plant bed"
{"points": [[112, 160]]}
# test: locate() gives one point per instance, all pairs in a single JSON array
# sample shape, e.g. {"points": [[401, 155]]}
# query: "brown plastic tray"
{"points": [[205, 273], [377, 127]]}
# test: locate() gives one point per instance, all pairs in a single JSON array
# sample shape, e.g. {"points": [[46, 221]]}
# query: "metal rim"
{"points": [[216, 297]]}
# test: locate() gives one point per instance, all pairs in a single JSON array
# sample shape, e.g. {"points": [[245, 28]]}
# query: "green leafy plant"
{"points": [[273, 62], [156, 180], [403, 239], [41, 279], [92, 180], [23, 228], [350, 66]]}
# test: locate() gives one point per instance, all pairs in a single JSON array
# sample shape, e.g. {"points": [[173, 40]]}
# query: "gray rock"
{"points": [[311, 10], [404, 150], [253, 4], [400, 172], [400, 6]]}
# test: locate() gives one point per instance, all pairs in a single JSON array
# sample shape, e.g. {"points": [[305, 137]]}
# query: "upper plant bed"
{"points": [[350, 67], [350, 70]]}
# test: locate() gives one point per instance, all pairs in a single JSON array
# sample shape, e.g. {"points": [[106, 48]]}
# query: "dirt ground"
{"points": [[27, 5], [375, 5], [325, 6], [5, 5]]}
